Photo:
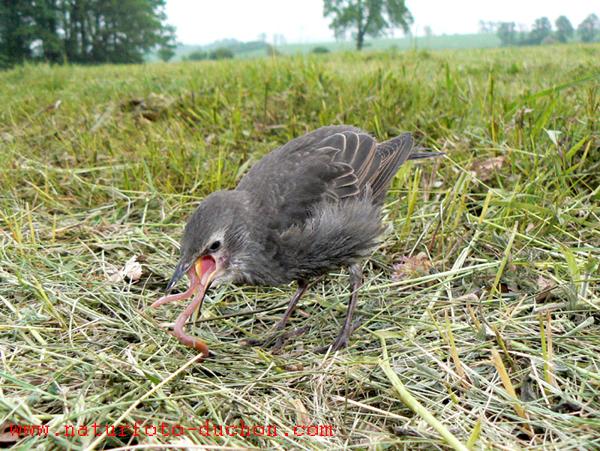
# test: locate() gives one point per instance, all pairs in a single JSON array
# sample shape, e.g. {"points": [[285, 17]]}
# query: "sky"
{"points": [[206, 21]]}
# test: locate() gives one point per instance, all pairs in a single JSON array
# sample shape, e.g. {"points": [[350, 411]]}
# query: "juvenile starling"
{"points": [[307, 208]]}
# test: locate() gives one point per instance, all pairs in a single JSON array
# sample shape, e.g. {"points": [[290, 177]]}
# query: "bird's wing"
{"points": [[331, 163]]}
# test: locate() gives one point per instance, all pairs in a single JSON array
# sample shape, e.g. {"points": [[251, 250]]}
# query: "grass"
{"points": [[485, 333]]}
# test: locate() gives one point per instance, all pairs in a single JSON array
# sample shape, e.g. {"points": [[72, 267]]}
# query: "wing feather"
{"points": [[355, 150], [392, 153], [329, 164]]}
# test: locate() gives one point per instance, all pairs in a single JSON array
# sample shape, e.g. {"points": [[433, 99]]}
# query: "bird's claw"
{"points": [[270, 341], [340, 342], [342, 339], [275, 341]]}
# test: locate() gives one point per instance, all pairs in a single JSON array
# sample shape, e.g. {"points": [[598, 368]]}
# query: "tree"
{"points": [[320, 49], [589, 29], [221, 53], [167, 47], [278, 39], [564, 29], [507, 32], [17, 30], [488, 26], [542, 28], [82, 31], [197, 55], [366, 17], [165, 53]]}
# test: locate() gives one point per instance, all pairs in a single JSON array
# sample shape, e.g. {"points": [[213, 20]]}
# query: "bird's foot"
{"points": [[275, 341], [342, 339]]}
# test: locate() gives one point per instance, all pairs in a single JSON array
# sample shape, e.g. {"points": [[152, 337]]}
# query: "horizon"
{"points": [[302, 22]]}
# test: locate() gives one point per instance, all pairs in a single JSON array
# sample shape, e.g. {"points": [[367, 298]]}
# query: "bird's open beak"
{"points": [[180, 270], [201, 274], [206, 269]]}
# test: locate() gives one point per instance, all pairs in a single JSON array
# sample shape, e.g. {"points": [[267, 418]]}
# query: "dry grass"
{"points": [[495, 342]]}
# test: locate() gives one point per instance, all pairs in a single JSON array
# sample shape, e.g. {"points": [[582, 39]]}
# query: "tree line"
{"points": [[542, 31], [82, 31]]}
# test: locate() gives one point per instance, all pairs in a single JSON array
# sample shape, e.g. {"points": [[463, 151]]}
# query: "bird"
{"points": [[307, 208]]}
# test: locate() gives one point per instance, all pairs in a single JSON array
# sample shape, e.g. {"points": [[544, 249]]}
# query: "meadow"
{"points": [[480, 311], [434, 42]]}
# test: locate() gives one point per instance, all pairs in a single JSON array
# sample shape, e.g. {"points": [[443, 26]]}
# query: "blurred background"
{"points": [[132, 31]]}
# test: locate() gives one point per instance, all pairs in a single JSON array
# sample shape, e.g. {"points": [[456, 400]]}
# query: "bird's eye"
{"points": [[214, 246]]}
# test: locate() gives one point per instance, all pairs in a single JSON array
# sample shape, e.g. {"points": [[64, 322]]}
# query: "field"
{"points": [[456, 41], [436, 42], [480, 311]]}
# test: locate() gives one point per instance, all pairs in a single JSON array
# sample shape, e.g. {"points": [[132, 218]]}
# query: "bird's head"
{"points": [[214, 244], [212, 247], [214, 236]]}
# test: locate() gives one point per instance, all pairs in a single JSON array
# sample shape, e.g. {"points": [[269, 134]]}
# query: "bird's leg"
{"points": [[342, 339], [278, 340], [302, 287]]}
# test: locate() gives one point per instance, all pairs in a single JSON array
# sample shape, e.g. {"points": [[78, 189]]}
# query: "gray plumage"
{"points": [[307, 208]]}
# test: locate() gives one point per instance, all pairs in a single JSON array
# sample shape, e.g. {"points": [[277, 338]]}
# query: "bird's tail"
{"points": [[423, 155], [392, 154]]}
